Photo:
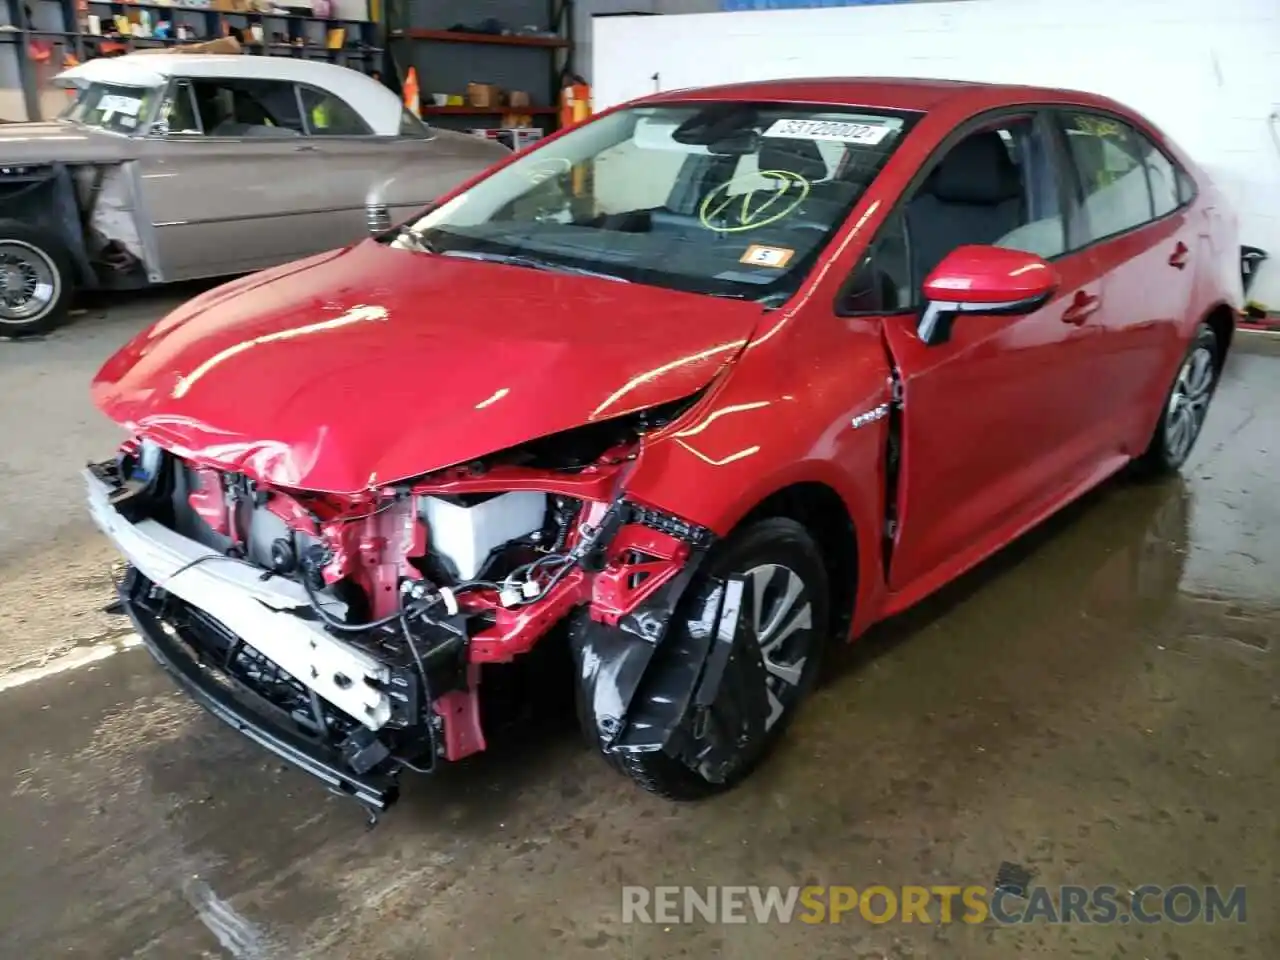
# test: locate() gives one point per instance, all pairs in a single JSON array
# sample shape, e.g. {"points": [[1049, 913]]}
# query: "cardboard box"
{"points": [[221, 45], [484, 95], [514, 139], [518, 98]]}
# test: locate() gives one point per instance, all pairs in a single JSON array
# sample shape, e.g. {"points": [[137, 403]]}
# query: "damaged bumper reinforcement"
{"points": [[351, 709], [268, 612], [241, 708], [231, 636]]}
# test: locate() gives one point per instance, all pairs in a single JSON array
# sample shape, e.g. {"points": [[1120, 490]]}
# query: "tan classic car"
{"points": [[172, 167]]}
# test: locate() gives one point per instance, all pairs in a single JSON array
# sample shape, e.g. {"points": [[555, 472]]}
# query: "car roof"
{"points": [[378, 105], [890, 93]]}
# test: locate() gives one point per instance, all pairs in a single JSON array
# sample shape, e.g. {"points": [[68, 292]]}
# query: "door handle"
{"points": [[1181, 254], [306, 148], [1083, 306]]}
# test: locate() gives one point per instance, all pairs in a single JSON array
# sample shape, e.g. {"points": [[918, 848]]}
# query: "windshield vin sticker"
{"points": [[114, 103], [833, 131], [759, 256]]}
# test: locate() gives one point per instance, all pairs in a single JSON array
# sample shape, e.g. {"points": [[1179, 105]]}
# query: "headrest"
{"points": [[977, 170], [801, 157]]}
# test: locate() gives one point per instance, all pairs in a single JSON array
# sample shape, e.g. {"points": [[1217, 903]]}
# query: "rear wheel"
{"points": [[1186, 405], [777, 649], [35, 280]]}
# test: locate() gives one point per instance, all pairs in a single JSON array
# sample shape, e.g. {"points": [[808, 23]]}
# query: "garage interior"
{"points": [[1097, 704]]}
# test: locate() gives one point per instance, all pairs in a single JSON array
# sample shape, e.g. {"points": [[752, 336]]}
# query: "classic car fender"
{"points": [[446, 160], [45, 195]]}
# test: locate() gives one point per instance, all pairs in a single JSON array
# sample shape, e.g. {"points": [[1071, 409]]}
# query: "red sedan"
{"points": [[686, 391]]}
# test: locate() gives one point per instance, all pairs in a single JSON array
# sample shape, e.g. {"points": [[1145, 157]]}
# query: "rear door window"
{"points": [[1162, 175], [1110, 173], [331, 116]]}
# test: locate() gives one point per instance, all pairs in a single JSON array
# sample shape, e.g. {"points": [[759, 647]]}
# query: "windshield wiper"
{"points": [[533, 263]]}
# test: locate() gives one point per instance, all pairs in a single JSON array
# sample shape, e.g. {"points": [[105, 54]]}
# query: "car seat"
{"points": [[974, 196]]}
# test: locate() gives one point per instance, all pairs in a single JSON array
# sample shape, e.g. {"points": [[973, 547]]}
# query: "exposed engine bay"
{"points": [[352, 634]]}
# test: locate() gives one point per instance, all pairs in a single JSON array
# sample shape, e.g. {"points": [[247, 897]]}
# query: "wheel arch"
{"points": [[820, 509], [843, 509], [1222, 320], [618, 672]]}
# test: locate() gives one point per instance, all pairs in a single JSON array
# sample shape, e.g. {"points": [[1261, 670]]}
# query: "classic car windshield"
{"points": [[112, 106], [726, 198]]}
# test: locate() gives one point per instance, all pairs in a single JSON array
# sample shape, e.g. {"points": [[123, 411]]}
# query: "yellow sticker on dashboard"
{"points": [[776, 257]]}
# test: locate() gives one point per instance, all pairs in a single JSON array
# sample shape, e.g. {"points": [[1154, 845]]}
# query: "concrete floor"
{"points": [[1099, 704]]}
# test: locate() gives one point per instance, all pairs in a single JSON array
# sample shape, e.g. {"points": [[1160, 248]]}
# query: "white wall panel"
{"points": [[1206, 73]]}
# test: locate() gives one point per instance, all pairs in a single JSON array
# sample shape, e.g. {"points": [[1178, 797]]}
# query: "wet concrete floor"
{"points": [[1098, 705]]}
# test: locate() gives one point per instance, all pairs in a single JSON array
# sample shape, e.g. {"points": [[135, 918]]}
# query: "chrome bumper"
{"points": [[265, 614]]}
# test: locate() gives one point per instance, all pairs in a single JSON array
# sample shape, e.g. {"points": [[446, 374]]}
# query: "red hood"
{"points": [[372, 365]]}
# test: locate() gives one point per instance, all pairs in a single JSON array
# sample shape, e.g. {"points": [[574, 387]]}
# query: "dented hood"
{"points": [[371, 365]]}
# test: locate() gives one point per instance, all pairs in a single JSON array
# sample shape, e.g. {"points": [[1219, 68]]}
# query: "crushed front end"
{"points": [[350, 634]]}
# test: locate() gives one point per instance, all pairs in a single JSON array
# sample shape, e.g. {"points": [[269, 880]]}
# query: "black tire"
{"points": [[1186, 402], [36, 260], [784, 545]]}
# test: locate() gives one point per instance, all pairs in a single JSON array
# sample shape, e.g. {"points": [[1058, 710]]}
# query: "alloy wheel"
{"points": [[779, 615], [29, 282], [1189, 403]]}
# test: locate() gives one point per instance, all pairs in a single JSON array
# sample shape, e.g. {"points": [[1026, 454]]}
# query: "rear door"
{"points": [[992, 424], [230, 180], [404, 173], [1143, 239], [353, 157]]}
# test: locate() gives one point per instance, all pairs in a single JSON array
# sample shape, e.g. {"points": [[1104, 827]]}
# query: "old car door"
{"points": [[354, 158], [230, 181], [991, 431], [401, 174]]}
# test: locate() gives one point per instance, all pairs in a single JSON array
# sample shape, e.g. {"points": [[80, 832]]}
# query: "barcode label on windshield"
{"points": [[833, 131], [114, 103]]}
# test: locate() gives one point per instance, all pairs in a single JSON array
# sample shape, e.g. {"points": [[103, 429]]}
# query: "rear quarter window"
{"points": [[1186, 187]]}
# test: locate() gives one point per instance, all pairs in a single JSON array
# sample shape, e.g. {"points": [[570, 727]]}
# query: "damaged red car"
{"points": [[682, 393]]}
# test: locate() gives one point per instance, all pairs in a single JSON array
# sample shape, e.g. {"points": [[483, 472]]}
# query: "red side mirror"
{"points": [[989, 280], [990, 276]]}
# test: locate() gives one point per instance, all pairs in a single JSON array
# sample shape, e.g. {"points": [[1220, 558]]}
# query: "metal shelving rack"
{"points": [[284, 34], [407, 42]]}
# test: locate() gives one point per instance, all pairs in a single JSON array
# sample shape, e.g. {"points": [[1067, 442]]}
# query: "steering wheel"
{"points": [[746, 211]]}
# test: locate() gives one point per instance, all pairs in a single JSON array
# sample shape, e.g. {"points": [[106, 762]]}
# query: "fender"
{"points": [[46, 197], [612, 661]]}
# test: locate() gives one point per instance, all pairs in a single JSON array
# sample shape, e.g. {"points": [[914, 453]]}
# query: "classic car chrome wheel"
{"points": [[1189, 402], [30, 283]]}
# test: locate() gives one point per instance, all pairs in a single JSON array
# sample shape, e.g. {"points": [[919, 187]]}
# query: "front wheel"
{"points": [[1186, 405], [35, 280], [778, 645]]}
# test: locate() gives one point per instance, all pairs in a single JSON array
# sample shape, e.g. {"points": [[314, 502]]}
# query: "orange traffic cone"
{"points": [[411, 100]]}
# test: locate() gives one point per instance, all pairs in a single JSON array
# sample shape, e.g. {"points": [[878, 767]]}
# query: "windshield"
{"points": [[112, 106], [725, 198]]}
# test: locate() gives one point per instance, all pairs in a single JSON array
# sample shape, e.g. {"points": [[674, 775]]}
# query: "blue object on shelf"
{"points": [[737, 5]]}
